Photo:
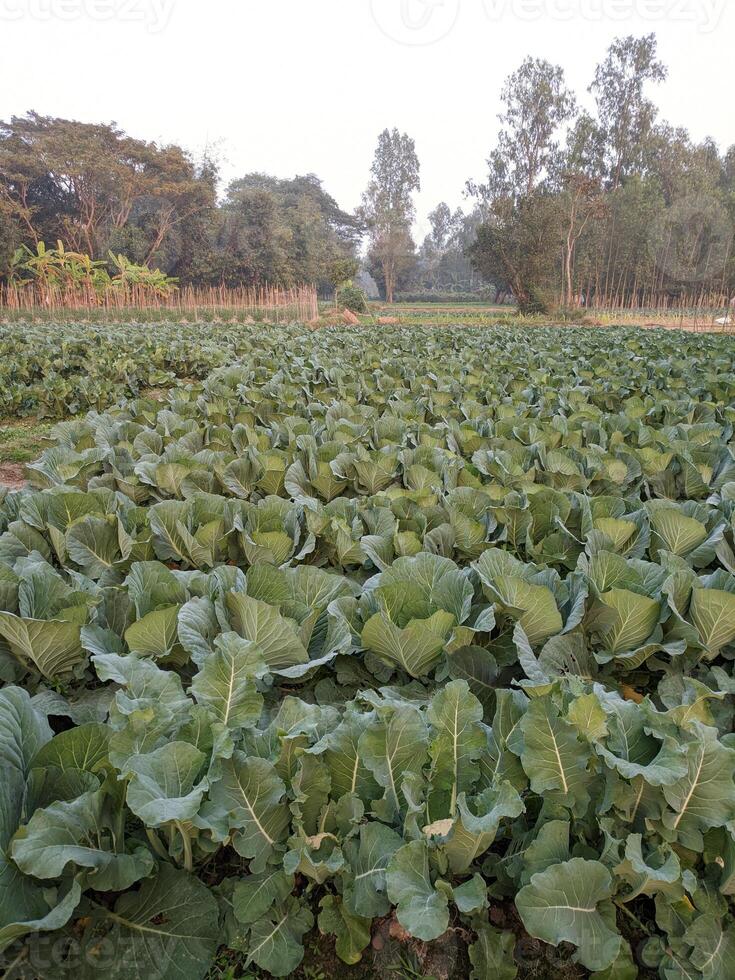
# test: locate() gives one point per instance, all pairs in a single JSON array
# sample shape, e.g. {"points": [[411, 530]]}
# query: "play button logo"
{"points": [[415, 22]]}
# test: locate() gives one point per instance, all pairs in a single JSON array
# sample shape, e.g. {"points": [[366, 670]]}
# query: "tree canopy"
{"points": [[388, 208], [616, 208], [608, 205]]}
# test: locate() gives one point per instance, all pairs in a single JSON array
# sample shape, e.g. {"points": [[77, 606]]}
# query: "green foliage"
{"points": [[441, 297], [419, 624], [105, 193], [388, 209], [351, 297], [65, 368], [604, 209], [56, 267], [139, 278], [343, 270], [73, 276], [279, 232], [96, 188], [519, 248]]}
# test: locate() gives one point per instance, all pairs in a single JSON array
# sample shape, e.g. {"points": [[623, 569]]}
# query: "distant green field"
{"points": [[483, 314]]}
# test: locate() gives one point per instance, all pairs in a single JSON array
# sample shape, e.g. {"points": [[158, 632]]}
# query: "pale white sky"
{"points": [[294, 86]]}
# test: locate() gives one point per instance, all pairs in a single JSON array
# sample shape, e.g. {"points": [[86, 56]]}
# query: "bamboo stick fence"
{"points": [[283, 304]]}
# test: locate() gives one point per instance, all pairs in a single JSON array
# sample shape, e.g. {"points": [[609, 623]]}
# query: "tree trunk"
{"points": [[389, 283]]}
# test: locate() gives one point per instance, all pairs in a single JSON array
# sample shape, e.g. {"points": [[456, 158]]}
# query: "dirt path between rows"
{"points": [[12, 476]]}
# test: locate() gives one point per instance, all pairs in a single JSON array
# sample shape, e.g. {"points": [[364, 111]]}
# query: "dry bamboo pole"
{"points": [[295, 302]]}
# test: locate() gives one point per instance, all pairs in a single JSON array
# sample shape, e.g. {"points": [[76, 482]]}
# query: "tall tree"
{"points": [[442, 223], [625, 115], [536, 104], [280, 231], [583, 201], [517, 248], [519, 240], [85, 183], [387, 205], [582, 194]]}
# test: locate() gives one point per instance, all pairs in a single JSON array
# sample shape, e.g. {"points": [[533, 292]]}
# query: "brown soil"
{"points": [[12, 476]]}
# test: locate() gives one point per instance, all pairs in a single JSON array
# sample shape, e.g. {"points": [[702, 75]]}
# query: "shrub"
{"points": [[570, 314], [351, 297]]}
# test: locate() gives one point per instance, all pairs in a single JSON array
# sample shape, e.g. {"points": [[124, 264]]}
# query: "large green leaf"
{"points": [[552, 755], [276, 939], [352, 931], [705, 796], [649, 874], [416, 647], [633, 748], [84, 748], [364, 890], [344, 757], [534, 607], [198, 628], [226, 682], [254, 895], [262, 624], [53, 647], [491, 955], [392, 747], [173, 540], [713, 947], [479, 668], [627, 619], [678, 533], [165, 785], [23, 730], [93, 544], [476, 826], [156, 634], [246, 803], [167, 929], [499, 763], [151, 585], [458, 739], [421, 909], [415, 588], [713, 613], [550, 846], [570, 902], [31, 915], [76, 833], [25, 906]]}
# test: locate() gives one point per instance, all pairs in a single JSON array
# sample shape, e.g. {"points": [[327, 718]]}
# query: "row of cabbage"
{"points": [[423, 771], [65, 368], [62, 368], [318, 643]]}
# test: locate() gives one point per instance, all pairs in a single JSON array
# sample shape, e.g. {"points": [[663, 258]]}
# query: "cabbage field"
{"points": [[374, 642], [51, 370]]}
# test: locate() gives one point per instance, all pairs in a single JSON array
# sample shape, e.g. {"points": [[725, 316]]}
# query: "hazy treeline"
{"points": [[99, 190], [608, 206]]}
